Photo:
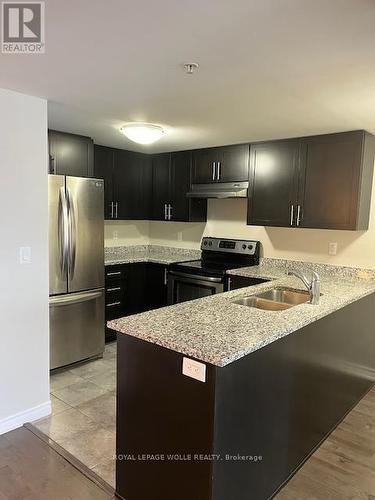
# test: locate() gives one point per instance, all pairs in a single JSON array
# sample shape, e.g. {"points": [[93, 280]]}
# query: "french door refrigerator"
{"points": [[76, 269]]}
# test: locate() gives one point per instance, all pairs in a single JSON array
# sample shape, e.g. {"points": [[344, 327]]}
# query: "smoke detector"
{"points": [[190, 68]]}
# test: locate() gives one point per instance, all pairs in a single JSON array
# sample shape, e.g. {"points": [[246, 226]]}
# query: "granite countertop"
{"points": [[217, 331], [148, 253]]}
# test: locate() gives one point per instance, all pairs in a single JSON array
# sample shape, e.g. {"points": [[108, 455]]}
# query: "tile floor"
{"points": [[84, 412]]}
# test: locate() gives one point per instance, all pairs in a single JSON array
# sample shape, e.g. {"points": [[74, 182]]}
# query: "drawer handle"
{"points": [[113, 304], [114, 274], [115, 289]]}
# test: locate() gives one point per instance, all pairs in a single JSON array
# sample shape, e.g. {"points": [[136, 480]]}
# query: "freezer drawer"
{"points": [[76, 327]]}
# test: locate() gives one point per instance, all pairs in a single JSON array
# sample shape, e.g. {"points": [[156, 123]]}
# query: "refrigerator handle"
{"points": [[72, 235], [63, 231], [74, 298]]}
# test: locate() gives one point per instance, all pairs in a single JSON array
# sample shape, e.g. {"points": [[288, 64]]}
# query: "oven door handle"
{"points": [[195, 277]]}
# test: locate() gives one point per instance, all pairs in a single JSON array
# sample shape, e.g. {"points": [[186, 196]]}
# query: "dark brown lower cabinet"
{"points": [[134, 288], [241, 434]]}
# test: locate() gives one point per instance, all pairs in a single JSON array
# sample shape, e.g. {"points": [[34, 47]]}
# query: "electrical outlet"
{"points": [[25, 255], [115, 235], [179, 236], [194, 369], [332, 248]]}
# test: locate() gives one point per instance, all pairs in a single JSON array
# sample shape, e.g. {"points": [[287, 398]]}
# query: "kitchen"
{"points": [[199, 286]]}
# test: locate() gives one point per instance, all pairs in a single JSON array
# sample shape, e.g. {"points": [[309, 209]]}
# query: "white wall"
{"points": [[227, 218], [24, 345], [118, 233]]}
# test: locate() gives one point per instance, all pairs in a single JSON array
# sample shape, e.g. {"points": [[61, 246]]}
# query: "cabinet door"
{"points": [[234, 163], [180, 185], [135, 288], [103, 169], [131, 185], [330, 180], [156, 285], [203, 165], [273, 183], [160, 185], [70, 154]]}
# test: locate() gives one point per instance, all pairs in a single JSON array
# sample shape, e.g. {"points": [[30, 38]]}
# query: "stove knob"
{"points": [[244, 246], [250, 247], [205, 243], [210, 244]]}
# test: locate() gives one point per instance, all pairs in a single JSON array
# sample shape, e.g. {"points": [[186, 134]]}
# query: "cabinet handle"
{"points": [[115, 289], [213, 170], [298, 215], [117, 273], [169, 212], [113, 304], [229, 283], [111, 209], [165, 211], [51, 164], [218, 170], [291, 215], [116, 215], [165, 276]]}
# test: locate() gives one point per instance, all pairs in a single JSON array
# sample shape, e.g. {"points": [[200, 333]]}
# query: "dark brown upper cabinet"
{"points": [[273, 183], [161, 189], [336, 181], [127, 183], [171, 180], [221, 164], [321, 182], [132, 186], [70, 154], [103, 169]]}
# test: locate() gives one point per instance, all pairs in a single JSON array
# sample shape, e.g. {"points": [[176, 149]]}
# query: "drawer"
{"points": [[114, 310], [114, 274], [114, 293]]}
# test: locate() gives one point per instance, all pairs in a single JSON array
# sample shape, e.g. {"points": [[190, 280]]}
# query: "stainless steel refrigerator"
{"points": [[76, 269]]}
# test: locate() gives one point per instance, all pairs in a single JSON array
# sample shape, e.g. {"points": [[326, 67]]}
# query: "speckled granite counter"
{"points": [[148, 253], [217, 331]]}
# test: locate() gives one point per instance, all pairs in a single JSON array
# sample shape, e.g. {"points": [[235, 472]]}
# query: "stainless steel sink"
{"points": [[286, 295], [266, 305], [276, 299]]}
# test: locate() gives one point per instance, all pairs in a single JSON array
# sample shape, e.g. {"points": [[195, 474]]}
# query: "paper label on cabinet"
{"points": [[194, 369]]}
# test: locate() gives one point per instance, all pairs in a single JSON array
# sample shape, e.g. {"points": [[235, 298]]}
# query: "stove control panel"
{"points": [[243, 247]]}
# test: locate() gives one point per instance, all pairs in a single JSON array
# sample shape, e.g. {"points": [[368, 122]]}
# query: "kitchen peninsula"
{"points": [[234, 399]]}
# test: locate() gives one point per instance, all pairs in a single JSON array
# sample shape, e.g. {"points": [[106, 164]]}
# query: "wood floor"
{"points": [[31, 470], [343, 468]]}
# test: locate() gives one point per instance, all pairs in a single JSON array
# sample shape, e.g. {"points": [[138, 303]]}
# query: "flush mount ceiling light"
{"points": [[142, 133]]}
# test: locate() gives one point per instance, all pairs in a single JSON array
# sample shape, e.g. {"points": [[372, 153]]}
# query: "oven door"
{"points": [[183, 287]]}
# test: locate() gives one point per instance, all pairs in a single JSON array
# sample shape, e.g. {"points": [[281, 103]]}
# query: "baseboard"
{"points": [[17, 420]]}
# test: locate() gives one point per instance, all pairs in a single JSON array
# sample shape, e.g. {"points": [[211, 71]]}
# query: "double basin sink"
{"points": [[275, 299]]}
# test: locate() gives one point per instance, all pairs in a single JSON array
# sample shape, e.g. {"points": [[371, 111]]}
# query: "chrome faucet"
{"points": [[312, 286]]}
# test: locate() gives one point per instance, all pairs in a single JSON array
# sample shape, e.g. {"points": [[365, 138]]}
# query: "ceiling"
{"points": [[268, 69]]}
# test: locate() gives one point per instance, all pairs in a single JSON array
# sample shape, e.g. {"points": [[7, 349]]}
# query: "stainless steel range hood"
{"points": [[219, 190]]}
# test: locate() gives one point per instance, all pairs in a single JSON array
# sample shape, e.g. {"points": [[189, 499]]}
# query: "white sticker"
{"points": [[194, 369]]}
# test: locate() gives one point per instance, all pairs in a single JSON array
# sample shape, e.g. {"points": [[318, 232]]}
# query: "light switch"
{"points": [[194, 369], [25, 255]]}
